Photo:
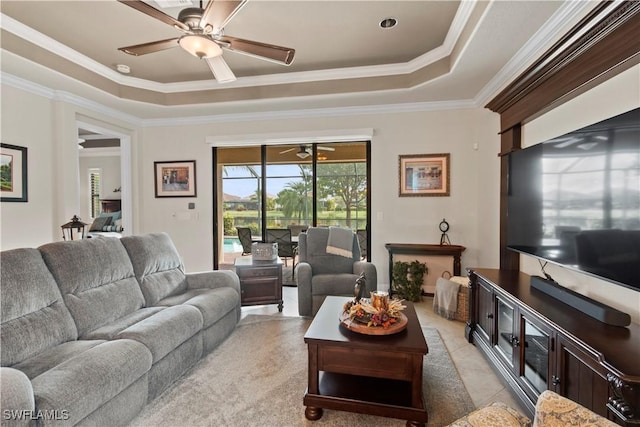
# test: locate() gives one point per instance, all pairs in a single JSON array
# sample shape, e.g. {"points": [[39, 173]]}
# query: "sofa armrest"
{"points": [[303, 280], [370, 274], [16, 398], [213, 280], [555, 410]]}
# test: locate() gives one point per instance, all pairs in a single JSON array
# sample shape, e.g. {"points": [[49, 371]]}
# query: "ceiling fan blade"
{"points": [[288, 151], [279, 54], [155, 13], [220, 69], [326, 148], [218, 13], [144, 48]]}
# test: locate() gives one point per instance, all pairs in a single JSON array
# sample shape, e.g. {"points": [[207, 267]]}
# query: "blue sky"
{"points": [[279, 175]]}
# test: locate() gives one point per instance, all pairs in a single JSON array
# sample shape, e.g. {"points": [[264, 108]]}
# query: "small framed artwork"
{"points": [[424, 175], [175, 179], [13, 173]]}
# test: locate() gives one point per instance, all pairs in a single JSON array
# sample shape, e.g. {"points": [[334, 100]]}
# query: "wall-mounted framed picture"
{"points": [[175, 178], [424, 175], [13, 173]]}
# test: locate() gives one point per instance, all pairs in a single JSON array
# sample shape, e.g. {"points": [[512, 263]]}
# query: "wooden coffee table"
{"points": [[368, 374]]}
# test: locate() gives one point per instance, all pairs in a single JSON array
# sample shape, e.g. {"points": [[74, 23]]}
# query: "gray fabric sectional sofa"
{"points": [[91, 330]]}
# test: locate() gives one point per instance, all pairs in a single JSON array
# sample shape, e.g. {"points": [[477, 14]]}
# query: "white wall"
{"points": [[613, 97], [48, 127], [395, 219], [27, 121]]}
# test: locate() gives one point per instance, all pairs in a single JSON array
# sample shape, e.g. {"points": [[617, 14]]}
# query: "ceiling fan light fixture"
{"points": [[302, 154], [200, 46]]}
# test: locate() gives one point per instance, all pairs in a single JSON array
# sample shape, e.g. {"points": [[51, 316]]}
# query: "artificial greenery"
{"points": [[407, 279]]}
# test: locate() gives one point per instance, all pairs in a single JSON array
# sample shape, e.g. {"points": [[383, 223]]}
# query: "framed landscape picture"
{"points": [[424, 175], [175, 178], [13, 173]]}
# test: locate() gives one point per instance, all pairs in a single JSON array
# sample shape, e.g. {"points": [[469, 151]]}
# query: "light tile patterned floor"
{"points": [[483, 385]]}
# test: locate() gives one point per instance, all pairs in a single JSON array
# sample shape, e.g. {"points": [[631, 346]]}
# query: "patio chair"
{"points": [[296, 229], [321, 273], [244, 234], [286, 247]]}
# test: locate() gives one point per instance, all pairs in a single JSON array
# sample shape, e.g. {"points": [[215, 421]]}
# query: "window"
{"points": [[94, 193], [288, 186]]}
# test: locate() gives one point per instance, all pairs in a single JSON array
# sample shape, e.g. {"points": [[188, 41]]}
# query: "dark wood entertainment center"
{"points": [[533, 340], [537, 342]]}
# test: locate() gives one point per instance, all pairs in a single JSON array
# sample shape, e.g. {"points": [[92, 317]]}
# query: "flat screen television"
{"points": [[575, 200]]}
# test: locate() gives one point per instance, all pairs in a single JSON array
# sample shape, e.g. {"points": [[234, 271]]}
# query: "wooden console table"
{"points": [[454, 251]]}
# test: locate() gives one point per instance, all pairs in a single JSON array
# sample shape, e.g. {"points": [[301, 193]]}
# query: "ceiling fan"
{"points": [[203, 36], [305, 151]]}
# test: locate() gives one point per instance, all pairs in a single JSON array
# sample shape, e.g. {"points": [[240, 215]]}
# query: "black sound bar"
{"points": [[588, 306]]}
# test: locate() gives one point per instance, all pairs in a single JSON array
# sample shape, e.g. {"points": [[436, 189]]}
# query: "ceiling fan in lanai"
{"points": [[203, 36], [304, 150]]}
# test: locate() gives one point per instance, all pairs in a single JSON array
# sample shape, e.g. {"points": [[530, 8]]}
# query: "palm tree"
{"points": [[294, 200]]}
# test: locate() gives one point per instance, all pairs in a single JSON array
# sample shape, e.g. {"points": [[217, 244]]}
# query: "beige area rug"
{"points": [[258, 377]]}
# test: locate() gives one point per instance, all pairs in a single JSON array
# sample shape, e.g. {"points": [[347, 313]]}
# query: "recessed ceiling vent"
{"points": [[388, 23]]}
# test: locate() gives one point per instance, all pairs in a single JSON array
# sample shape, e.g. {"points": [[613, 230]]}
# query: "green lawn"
{"points": [[277, 219]]}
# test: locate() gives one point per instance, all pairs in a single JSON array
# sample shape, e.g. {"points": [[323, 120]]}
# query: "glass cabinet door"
{"points": [[536, 356], [506, 334], [485, 309]]}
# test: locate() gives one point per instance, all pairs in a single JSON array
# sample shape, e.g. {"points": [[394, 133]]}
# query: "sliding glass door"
{"points": [[287, 187]]}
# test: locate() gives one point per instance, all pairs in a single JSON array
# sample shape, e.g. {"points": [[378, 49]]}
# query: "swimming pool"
{"points": [[232, 244]]}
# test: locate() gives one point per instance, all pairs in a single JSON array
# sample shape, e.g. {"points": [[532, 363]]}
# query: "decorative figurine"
{"points": [[359, 288]]}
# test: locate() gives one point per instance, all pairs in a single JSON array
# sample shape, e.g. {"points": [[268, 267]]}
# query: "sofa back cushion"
{"points": [[313, 250], [96, 279], [33, 316], [157, 265]]}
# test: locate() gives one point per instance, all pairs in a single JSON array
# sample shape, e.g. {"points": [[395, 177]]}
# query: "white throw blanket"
{"points": [[445, 300], [340, 242]]}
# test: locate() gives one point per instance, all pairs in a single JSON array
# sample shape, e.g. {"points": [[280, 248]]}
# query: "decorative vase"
{"points": [[380, 300]]}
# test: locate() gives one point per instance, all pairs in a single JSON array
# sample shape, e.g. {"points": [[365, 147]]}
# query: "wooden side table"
{"points": [[260, 281], [454, 251]]}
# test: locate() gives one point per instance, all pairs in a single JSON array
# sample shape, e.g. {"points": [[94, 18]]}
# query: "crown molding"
{"points": [[58, 95], [78, 101], [25, 85], [534, 48], [460, 20], [313, 113]]}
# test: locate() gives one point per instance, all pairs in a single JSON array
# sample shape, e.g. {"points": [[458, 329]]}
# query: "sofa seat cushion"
{"points": [[54, 356], [333, 284], [496, 414], [165, 330], [87, 380], [213, 304], [111, 330]]}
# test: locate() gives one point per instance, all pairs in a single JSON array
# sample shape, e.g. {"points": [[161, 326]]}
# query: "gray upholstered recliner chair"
{"points": [[321, 273]]}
